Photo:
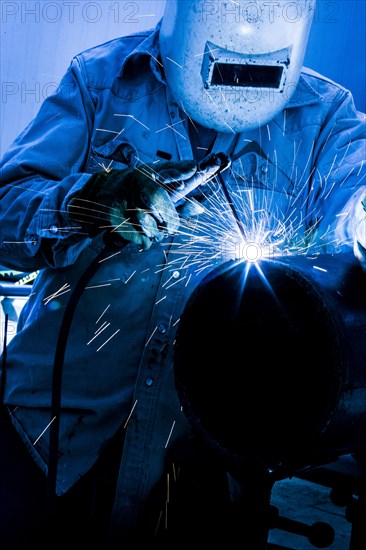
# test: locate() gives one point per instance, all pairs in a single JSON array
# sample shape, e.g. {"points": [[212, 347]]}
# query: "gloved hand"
{"points": [[134, 203], [360, 231], [141, 204]]}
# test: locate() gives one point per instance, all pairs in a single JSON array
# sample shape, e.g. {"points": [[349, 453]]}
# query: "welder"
{"points": [[94, 444]]}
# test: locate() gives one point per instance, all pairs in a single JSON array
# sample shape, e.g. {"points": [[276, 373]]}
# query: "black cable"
{"points": [[232, 206], [3, 361], [60, 350]]}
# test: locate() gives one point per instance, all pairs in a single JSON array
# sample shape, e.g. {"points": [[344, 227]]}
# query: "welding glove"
{"points": [[143, 204], [134, 204], [360, 231]]}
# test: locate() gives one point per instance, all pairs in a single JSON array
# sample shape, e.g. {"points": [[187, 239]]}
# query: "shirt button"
{"points": [[149, 381], [175, 274], [162, 328], [33, 240], [53, 229], [172, 114], [264, 168]]}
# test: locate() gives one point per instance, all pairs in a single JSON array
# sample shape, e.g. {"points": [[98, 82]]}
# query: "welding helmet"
{"points": [[232, 66]]}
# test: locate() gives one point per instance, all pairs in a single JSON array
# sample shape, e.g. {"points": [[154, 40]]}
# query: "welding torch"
{"points": [[207, 168]]}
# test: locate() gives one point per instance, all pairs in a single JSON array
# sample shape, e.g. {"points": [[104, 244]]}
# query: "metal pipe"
{"points": [[270, 359]]}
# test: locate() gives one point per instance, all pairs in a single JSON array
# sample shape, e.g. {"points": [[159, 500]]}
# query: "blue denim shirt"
{"points": [[292, 183]]}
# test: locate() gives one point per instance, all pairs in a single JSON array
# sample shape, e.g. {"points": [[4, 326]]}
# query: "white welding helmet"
{"points": [[233, 65]]}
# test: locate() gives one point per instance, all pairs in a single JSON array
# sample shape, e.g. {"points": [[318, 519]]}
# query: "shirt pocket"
{"points": [[264, 198], [115, 154], [256, 171]]}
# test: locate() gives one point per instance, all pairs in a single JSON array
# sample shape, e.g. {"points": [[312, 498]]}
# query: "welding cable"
{"points": [[251, 147], [3, 361], [233, 157], [50, 503], [231, 204]]}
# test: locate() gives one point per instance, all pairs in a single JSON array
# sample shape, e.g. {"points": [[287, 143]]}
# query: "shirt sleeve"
{"points": [[39, 172], [360, 229], [338, 179]]}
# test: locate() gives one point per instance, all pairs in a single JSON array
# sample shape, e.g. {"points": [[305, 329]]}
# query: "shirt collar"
{"points": [[304, 94], [147, 48]]}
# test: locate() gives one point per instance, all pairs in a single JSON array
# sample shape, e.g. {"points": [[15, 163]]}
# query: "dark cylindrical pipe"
{"points": [[270, 359]]}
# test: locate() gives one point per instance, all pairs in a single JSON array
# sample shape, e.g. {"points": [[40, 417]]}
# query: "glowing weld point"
{"points": [[252, 252]]}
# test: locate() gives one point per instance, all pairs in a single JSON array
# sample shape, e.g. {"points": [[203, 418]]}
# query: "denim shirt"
{"points": [[292, 184]]}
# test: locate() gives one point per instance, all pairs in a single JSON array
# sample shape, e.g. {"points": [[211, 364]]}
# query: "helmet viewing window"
{"points": [[255, 76], [221, 67]]}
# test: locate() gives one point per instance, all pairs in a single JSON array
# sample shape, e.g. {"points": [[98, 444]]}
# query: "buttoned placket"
{"points": [[153, 392], [223, 142]]}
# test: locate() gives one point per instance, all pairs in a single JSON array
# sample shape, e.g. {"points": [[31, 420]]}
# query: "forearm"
{"points": [[35, 229], [360, 230], [339, 176]]}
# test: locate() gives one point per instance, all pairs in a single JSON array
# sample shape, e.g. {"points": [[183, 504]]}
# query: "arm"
{"points": [[360, 230], [39, 171], [52, 208], [339, 178]]}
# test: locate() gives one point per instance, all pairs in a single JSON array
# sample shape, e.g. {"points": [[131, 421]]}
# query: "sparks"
{"points": [[110, 338], [170, 434]]}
